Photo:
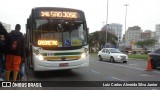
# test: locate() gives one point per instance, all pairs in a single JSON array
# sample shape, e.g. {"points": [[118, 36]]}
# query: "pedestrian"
{"points": [[21, 69], [22, 65], [3, 35], [1, 56], [14, 52]]}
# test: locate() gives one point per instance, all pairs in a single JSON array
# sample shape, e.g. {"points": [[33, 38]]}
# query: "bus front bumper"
{"points": [[42, 65]]}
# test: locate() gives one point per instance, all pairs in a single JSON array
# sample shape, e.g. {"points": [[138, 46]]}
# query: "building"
{"points": [[115, 29], [7, 26], [157, 36], [157, 30], [133, 34], [153, 34], [146, 34]]}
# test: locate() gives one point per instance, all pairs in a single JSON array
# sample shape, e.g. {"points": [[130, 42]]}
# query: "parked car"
{"points": [[155, 58], [112, 55]]}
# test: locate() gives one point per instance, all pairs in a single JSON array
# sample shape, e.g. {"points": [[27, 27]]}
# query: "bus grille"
{"points": [[61, 58]]}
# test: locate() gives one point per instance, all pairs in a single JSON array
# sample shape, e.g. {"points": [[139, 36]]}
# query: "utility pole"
{"points": [[107, 21], [125, 24]]}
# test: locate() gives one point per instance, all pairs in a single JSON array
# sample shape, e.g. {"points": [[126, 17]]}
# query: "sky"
{"points": [[144, 13]]}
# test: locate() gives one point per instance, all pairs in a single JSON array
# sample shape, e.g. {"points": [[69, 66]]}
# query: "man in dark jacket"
{"points": [[14, 52], [3, 35], [1, 55]]}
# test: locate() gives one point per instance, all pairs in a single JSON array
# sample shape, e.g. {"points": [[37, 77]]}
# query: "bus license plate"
{"points": [[63, 65]]}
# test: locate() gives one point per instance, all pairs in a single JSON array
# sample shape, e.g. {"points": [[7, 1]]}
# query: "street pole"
{"points": [[125, 24], [107, 21]]}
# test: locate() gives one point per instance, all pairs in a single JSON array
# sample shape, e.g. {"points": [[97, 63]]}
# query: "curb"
{"points": [[136, 59]]}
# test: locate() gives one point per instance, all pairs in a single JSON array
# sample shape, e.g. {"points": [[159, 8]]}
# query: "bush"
{"points": [[138, 56]]}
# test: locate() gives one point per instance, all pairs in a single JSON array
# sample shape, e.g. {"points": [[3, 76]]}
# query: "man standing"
{"points": [[14, 52], [1, 56], [3, 35]]}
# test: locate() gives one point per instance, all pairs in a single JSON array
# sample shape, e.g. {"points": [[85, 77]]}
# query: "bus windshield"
{"points": [[68, 33]]}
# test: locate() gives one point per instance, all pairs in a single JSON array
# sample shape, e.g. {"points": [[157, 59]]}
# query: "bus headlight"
{"points": [[40, 57], [83, 55]]}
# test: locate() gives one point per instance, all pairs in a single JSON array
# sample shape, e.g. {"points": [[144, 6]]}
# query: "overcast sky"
{"points": [[144, 13]]}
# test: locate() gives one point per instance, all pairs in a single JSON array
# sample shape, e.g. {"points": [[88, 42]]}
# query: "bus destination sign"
{"points": [[59, 14], [48, 42]]}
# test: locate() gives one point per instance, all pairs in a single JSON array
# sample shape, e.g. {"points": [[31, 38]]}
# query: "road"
{"points": [[134, 70]]}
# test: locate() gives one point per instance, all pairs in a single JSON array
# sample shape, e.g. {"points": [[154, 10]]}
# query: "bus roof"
{"points": [[37, 11], [56, 8]]}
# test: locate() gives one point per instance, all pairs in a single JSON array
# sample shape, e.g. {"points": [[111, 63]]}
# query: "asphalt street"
{"points": [[133, 70]]}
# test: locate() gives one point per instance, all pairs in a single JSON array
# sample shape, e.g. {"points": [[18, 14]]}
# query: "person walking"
{"points": [[22, 65], [3, 35], [1, 56], [14, 52]]}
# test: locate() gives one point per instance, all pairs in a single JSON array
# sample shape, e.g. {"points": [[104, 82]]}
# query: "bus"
{"points": [[57, 39]]}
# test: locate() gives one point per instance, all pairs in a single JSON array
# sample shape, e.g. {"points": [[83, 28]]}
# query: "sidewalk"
{"points": [[23, 79]]}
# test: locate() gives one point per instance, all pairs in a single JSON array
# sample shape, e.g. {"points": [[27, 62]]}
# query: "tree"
{"points": [[91, 40], [146, 43], [94, 40], [98, 39]]}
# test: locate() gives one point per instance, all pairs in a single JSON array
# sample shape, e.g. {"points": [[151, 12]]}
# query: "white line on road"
{"points": [[154, 89], [111, 78], [124, 66], [94, 71], [133, 64], [130, 67], [156, 71], [134, 68], [117, 79]]}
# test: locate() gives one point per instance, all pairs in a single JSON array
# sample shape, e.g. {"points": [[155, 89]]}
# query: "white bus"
{"points": [[57, 39]]}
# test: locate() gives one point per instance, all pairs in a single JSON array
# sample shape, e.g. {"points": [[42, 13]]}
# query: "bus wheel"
{"points": [[37, 73]]}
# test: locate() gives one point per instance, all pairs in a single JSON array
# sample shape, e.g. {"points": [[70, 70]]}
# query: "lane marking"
{"points": [[94, 71], [128, 67], [114, 78], [117, 79], [133, 64], [132, 67], [154, 89], [147, 75], [122, 65], [157, 72]]}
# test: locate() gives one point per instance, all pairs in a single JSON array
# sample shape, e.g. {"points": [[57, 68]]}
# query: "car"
{"points": [[112, 55], [155, 58]]}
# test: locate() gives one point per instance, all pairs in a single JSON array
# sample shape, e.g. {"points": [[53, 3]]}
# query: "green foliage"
{"points": [[146, 43], [138, 56], [98, 38]]}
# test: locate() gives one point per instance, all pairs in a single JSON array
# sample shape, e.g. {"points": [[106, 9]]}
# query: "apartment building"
{"points": [[146, 34], [133, 33], [157, 36], [115, 29]]}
